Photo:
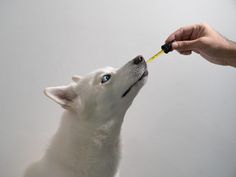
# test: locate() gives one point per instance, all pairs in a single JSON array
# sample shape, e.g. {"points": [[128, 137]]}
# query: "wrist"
{"points": [[231, 54]]}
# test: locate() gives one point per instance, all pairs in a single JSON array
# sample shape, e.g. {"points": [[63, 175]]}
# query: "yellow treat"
{"points": [[155, 56]]}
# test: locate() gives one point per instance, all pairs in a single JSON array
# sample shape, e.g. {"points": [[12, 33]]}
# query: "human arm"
{"points": [[204, 40]]}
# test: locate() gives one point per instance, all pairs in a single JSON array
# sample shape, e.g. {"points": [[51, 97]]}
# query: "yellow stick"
{"points": [[155, 56]]}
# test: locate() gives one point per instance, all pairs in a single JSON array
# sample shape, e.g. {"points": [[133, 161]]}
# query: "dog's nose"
{"points": [[138, 59]]}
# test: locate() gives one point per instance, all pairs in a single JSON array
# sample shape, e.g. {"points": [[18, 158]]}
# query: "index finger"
{"points": [[183, 33]]}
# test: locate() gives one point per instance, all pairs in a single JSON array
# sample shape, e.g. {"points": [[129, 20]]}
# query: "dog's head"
{"points": [[105, 91]]}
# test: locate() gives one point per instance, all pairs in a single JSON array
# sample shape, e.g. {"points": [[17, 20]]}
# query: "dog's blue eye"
{"points": [[105, 78]]}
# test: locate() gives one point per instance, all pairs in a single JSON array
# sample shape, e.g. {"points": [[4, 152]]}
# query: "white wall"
{"points": [[182, 124]]}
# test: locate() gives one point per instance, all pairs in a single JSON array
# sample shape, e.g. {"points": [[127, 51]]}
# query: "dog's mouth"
{"points": [[145, 73]]}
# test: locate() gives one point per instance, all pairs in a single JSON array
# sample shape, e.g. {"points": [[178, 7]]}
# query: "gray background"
{"points": [[183, 122]]}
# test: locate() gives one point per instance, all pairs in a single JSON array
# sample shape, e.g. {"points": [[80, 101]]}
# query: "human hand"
{"points": [[204, 40]]}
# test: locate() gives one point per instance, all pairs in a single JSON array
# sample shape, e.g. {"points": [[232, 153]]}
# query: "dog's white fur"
{"points": [[87, 143]]}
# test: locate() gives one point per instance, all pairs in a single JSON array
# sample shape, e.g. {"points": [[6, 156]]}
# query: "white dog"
{"points": [[87, 143]]}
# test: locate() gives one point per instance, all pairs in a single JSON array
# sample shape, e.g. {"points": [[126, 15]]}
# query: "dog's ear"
{"points": [[76, 78], [63, 95]]}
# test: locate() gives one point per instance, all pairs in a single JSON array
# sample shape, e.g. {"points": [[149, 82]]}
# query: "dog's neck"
{"points": [[80, 139]]}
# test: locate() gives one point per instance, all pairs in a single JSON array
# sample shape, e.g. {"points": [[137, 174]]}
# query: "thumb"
{"points": [[184, 45]]}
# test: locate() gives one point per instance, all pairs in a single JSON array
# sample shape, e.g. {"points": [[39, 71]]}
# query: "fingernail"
{"points": [[174, 45]]}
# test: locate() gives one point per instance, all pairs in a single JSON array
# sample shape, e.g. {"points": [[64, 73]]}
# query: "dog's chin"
{"points": [[136, 86]]}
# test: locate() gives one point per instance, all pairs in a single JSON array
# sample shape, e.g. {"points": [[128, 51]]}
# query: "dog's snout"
{"points": [[138, 59]]}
